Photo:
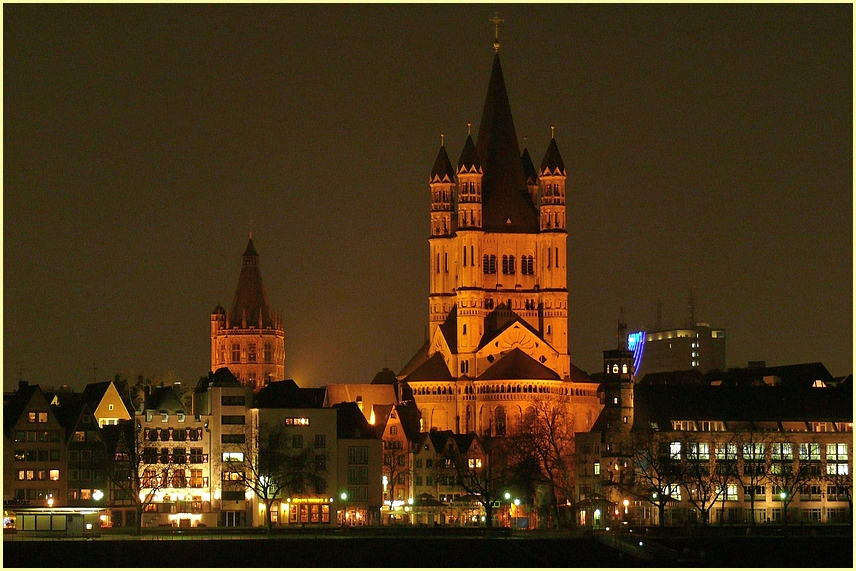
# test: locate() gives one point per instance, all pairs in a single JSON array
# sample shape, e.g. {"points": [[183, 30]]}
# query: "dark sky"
{"points": [[708, 149]]}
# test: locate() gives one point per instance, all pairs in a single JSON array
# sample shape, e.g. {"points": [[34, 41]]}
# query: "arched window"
{"points": [[500, 421]]}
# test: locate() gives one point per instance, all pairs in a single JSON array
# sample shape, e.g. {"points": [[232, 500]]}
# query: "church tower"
{"points": [[498, 295], [249, 338]]}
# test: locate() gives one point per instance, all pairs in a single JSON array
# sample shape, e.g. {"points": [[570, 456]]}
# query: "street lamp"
{"points": [[97, 495], [344, 496]]}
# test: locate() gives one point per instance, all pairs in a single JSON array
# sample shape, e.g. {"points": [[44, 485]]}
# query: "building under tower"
{"points": [[249, 338]]}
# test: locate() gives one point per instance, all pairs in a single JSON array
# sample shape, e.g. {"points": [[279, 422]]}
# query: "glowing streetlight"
{"points": [[344, 496], [507, 496], [783, 495], [97, 495], [50, 501]]}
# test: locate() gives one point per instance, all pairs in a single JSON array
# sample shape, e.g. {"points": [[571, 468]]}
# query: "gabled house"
{"points": [[34, 450]]}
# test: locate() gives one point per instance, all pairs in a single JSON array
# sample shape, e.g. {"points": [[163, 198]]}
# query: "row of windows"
{"points": [[37, 455], [35, 494], [36, 436], [37, 475], [39, 417], [251, 356], [174, 434], [174, 456], [757, 452], [489, 262]]}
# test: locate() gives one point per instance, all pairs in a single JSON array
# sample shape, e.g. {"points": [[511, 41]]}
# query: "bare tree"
{"points": [[545, 444], [700, 482], [652, 471], [753, 472], [724, 471], [484, 476], [273, 467], [395, 464], [137, 470]]}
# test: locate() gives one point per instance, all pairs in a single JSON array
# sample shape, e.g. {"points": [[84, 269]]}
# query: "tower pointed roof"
{"points": [[507, 204], [529, 168], [250, 299], [442, 171], [552, 163], [469, 160]]}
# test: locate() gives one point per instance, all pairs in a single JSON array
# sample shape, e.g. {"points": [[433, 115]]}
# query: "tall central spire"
{"points": [[508, 206]]}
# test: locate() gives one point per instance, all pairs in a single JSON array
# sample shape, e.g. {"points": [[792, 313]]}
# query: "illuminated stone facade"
{"points": [[249, 339], [498, 299]]}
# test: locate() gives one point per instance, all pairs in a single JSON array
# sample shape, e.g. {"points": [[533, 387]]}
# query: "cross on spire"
{"points": [[496, 21]]}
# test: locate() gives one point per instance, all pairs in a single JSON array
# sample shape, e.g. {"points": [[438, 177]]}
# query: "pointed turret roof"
{"points": [[529, 168], [552, 163], [442, 171], [469, 161], [250, 299], [507, 204]]}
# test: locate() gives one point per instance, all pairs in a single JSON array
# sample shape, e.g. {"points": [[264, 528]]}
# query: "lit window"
{"points": [[615, 368], [475, 463], [54, 475], [299, 421], [597, 468], [233, 456], [675, 450], [109, 407]]}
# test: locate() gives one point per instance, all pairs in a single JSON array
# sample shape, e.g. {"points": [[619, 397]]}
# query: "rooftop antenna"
{"points": [[21, 374], [692, 307], [622, 329], [496, 21]]}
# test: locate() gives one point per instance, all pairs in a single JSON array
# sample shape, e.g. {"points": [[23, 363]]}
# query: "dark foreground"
{"points": [[432, 551]]}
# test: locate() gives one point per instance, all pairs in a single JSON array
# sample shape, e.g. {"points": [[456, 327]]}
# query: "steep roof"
{"points": [[164, 399], [250, 299], [552, 163], [222, 377], [469, 161], [529, 168], [518, 365], [507, 206], [369, 395], [286, 394], [442, 171], [350, 422], [434, 369]]}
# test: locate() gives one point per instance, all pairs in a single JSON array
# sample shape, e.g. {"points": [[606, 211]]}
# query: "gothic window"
{"points": [[500, 421], [437, 266], [549, 258], [508, 265], [268, 352], [489, 264], [527, 265], [251, 353], [488, 304], [445, 262], [236, 352], [465, 256]]}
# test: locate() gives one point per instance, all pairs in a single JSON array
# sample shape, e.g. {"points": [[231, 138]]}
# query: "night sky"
{"points": [[708, 149]]}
